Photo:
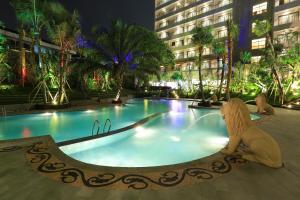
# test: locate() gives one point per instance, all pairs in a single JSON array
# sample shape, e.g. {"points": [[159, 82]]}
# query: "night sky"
{"points": [[97, 12]]}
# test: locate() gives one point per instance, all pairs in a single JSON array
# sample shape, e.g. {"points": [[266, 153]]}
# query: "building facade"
{"points": [[175, 20]]}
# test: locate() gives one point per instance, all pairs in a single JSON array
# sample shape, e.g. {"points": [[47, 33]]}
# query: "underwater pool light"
{"points": [[175, 138]]}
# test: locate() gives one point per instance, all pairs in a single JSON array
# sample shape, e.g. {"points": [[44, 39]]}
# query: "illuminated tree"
{"points": [[202, 37], [4, 67], [264, 28], [31, 15], [129, 48], [63, 30], [232, 34], [219, 50]]}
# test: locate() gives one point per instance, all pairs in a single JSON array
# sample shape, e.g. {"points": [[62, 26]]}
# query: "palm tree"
{"points": [[129, 47], [264, 28], [63, 30], [220, 51], [31, 15], [202, 37], [232, 34]]}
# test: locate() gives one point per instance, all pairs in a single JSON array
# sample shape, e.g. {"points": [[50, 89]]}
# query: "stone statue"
{"points": [[262, 106], [261, 147]]}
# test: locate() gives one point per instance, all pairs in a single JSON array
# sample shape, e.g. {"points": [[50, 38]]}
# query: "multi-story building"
{"points": [[175, 20]]}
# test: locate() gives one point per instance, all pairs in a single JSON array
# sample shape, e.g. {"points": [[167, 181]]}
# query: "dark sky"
{"points": [[97, 12]]}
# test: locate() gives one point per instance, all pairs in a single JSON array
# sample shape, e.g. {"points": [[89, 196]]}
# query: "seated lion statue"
{"points": [[262, 106], [262, 148]]}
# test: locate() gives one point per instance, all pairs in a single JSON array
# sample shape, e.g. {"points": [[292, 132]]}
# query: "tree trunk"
{"points": [[119, 81], [218, 70], [39, 66], [61, 69], [229, 73], [200, 74], [22, 59], [274, 71], [222, 78]]}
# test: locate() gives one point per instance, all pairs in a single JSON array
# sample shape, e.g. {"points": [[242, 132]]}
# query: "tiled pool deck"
{"points": [[41, 171]]}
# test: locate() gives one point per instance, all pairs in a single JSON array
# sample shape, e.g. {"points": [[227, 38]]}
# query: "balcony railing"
{"points": [[199, 10]]}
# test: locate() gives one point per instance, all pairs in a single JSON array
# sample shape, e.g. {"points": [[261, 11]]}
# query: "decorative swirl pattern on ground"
{"points": [[41, 159]]}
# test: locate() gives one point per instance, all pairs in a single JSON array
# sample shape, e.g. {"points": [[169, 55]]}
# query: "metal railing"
{"points": [[98, 126], [98, 123], [108, 130]]}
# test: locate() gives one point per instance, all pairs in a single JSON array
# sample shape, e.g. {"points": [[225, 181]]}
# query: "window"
{"points": [[259, 43], [288, 38], [189, 41], [223, 3], [179, 30], [190, 27], [282, 2], [205, 64], [214, 64], [255, 59], [206, 51], [190, 54], [222, 18], [180, 55], [222, 33], [190, 66], [173, 44], [191, 14], [182, 42], [260, 8], [206, 22], [204, 9], [289, 18]]}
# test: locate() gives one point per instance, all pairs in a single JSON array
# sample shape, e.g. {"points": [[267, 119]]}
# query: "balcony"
{"points": [[218, 5], [287, 5]]}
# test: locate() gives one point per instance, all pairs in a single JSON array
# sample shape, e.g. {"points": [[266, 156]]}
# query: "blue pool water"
{"points": [[177, 135], [64, 126]]}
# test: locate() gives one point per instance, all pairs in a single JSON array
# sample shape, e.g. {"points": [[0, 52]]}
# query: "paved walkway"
{"points": [[20, 180]]}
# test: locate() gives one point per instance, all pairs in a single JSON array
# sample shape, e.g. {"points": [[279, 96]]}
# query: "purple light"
{"points": [[116, 61], [129, 57]]}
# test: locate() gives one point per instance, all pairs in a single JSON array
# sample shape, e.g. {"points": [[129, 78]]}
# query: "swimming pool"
{"points": [[178, 134], [63, 126]]}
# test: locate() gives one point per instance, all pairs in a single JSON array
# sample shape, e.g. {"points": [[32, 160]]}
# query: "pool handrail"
{"points": [[107, 120], [96, 121]]}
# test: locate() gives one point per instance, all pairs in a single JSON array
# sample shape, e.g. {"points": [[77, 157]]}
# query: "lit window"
{"points": [[190, 54], [289, 18], [190, 27], [255, 59], [206, 51], [180, 55], [222, 33], [204, 9], [260, 8], [287, 38], [282, 2], [206, 22], [223, 18], [259, 43], [205, 64]]}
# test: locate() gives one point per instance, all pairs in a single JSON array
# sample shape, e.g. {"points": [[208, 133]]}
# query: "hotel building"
{"points": [[175, 19]]}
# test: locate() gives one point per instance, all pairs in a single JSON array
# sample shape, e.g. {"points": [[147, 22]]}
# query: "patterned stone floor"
{"points": [[36, 169]]}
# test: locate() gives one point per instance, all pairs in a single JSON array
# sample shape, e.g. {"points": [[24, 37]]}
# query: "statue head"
{"points": [[236, 116]]}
